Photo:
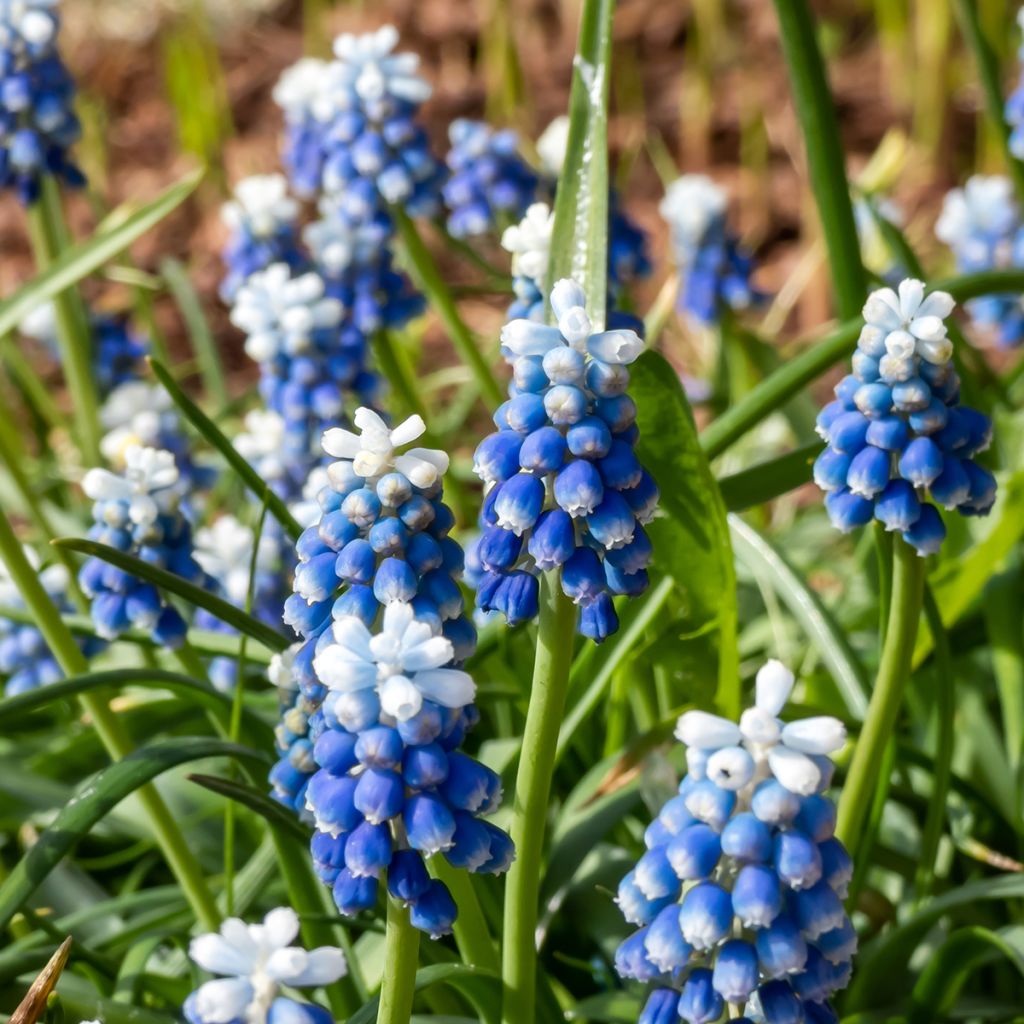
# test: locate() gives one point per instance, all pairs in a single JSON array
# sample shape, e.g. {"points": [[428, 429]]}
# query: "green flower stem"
{"points": [[530, 805], [794, 374], [46, 228], [428, 279], [34, 391], [992, 85], [825, 159], [893, 671], [168, 835], [401, 955]]}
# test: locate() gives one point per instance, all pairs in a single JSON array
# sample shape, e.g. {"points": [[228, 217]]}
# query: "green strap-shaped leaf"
{"points": [[150, 678], [189, 592], [276, 815], [579, 244], [769, 480], [692, 543], [97, 798], [114, 235], [806, 606], [209, 430]]}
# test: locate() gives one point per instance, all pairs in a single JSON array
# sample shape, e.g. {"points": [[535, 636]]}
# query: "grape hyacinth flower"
{"points": [[262, 221], [714, 268], [38, 124], [738, 897], [26, 661], [309, 364], [490, 182], [352, 130], [982, 225], [138, 513], [898, 438], [564, 488], [1015, 103], [256, 962], [381, 694]]}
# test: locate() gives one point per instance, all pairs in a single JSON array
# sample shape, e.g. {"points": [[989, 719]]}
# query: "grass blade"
{"points": [[769, 480], [98, 797], [114, 235], [806, 606], [216, 437], [276, 815], [189, 592]]}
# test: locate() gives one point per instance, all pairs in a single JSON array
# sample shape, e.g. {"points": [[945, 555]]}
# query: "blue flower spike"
{"points": [[738, 899], [564, 488], [982, 225], [38, 124], [489, 184], [899, 442], [262, 222], [715, 269], [138, 512], [256, 964], [377, 701]]}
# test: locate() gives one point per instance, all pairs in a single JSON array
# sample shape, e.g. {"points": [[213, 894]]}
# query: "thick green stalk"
{"points": [[825, 160], [992, 86], [168, 835], [893, 671], [45, 221], [401, 954], [530, 807]]}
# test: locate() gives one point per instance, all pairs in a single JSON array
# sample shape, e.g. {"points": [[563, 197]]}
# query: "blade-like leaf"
{"points": [[806, 606], [98, 797], [579, 244], [693, 541], [276, 815], [461, 977], [114, 235], [33, 1006], [212, 433], [769, 480], [195, 596]]}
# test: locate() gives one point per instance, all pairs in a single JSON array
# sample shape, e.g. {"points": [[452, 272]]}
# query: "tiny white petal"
{"points": [[820, 735], [773, 686], [699, 729]]}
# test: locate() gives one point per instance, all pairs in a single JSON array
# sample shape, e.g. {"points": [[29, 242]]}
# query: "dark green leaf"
{"points": [[769, 480], [461, 977], [276, 815]]}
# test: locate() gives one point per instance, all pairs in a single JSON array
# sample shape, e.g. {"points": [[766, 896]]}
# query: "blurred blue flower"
{"points": [[38, 124], [897, 435], [715, 268], [263, 223], [738, 897], [981, 223], [490, 183]]}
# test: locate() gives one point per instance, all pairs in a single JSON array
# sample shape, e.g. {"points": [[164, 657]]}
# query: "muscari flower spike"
{"points": [[38, 124], [262, 221], [898, 438], [380, 534], [981, 223], [383, 704], [310, 360], [714, 267], [564, 488], [256, 963], [738, 897], [352, 130], [490, 183], [26, 661], [138, 512]]}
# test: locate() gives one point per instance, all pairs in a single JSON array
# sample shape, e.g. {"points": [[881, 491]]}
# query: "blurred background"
{"points": [[699, 85]]}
